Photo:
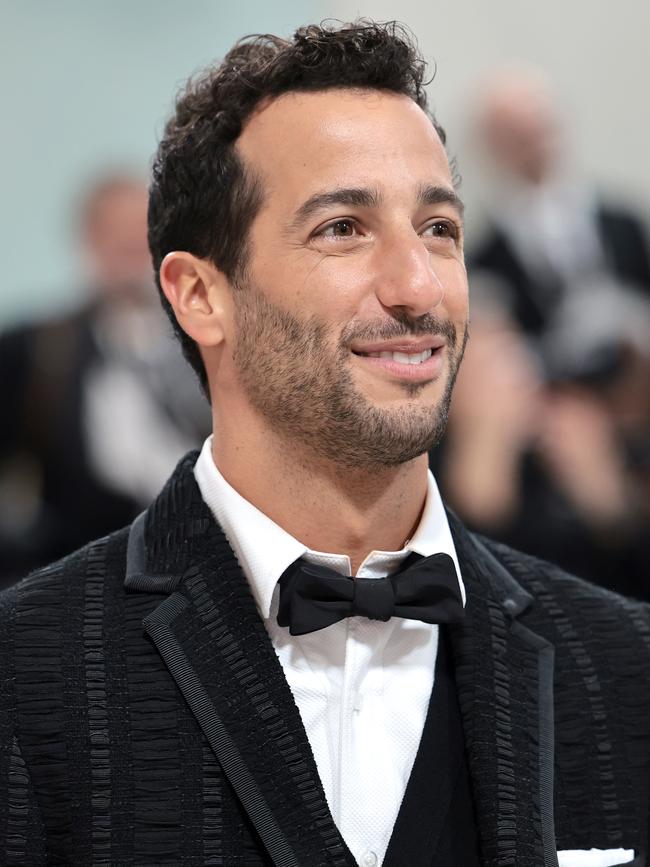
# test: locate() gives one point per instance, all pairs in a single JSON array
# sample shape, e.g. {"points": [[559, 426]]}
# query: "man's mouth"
{"points": [[422, 362], [400, 357]]}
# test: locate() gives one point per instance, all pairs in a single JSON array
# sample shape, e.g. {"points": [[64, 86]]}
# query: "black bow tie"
{"points": [[313, 597]]}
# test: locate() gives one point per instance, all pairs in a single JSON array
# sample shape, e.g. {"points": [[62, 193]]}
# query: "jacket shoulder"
{"points": [[543, 579], [48, 619], [50, 586]]}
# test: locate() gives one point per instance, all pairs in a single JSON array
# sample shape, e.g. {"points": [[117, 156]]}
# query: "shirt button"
{"points": [[369, 859]]}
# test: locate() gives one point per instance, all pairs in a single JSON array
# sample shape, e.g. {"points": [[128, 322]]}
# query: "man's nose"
{"points": [[406, 276]]}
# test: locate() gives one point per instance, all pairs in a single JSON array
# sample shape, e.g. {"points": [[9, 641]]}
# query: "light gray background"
{"points": [[86, 84]]}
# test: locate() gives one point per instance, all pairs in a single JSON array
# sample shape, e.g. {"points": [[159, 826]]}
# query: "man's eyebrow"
{"points": [[362, 197], [432, 194], [359, 197]]}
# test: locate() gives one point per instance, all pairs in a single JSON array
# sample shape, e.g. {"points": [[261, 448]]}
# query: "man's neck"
{"points": [[331, 508]]}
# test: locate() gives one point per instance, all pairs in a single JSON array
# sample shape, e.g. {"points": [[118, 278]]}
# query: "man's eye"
{"points": [[441, 229], [339, 229]]}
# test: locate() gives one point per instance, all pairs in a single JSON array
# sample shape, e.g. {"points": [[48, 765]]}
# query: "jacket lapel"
{"points": [[504, 676], [214, 643]]}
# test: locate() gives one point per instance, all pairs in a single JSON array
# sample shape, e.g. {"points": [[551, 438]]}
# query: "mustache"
{"points": [[400, 325]]}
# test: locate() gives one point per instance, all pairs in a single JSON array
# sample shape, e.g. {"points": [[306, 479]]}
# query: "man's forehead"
{"points": [[346, 136], [332, 113]]}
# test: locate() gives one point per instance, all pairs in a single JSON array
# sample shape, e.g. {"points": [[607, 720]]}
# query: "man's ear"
{"points": [[199, 294]]}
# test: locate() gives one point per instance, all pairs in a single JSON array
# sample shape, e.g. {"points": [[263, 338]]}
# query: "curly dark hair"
{"points": [[201, 199]]}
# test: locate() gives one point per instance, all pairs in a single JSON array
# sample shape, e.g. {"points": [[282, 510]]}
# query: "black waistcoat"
{"points": [[436, 824]]}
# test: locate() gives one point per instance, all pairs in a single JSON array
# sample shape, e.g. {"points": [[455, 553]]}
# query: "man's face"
{"points": [[351, 317]]}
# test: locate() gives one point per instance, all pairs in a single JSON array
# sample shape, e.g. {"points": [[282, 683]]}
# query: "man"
{"points": [[549, 237], [97, 401], [210, 686]]}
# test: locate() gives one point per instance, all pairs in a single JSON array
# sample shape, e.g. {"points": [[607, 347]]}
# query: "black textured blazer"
{"points": [[145, 718]]}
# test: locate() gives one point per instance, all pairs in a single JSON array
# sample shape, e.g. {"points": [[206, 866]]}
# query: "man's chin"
{"points": [[399, 395]]}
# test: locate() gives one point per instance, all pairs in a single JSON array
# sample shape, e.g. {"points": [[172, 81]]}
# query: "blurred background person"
{"points": [[548, 233], [98, 402], [548, 446], [557, 468]]}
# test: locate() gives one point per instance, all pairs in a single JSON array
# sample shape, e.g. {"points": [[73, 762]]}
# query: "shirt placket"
{"points": [[357, 792], [348, 700]]}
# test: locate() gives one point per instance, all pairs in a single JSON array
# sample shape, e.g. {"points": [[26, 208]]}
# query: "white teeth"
{"points": [[403, 357]]}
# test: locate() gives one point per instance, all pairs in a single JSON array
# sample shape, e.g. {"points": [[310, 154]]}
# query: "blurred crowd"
{"points": [[548, 445]]}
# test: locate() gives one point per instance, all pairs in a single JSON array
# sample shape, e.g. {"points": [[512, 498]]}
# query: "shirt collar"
{"points": [[264, 550]]}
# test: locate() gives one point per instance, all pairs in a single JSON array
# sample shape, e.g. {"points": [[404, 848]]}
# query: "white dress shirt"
{"points": [[362, 687]]}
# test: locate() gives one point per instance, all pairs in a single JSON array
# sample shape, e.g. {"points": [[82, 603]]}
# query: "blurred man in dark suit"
{"points": [[549, 234], [97, 403]]}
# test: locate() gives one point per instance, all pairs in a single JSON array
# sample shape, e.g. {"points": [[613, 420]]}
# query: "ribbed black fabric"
{"points": [[104, 761], [602, 703], [21, 826], [601, 712]]}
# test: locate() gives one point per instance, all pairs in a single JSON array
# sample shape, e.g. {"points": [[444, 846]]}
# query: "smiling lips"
{"points": [[420, 361]]}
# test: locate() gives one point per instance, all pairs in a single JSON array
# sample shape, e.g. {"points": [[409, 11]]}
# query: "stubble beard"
{"points": [[304, 389]]}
